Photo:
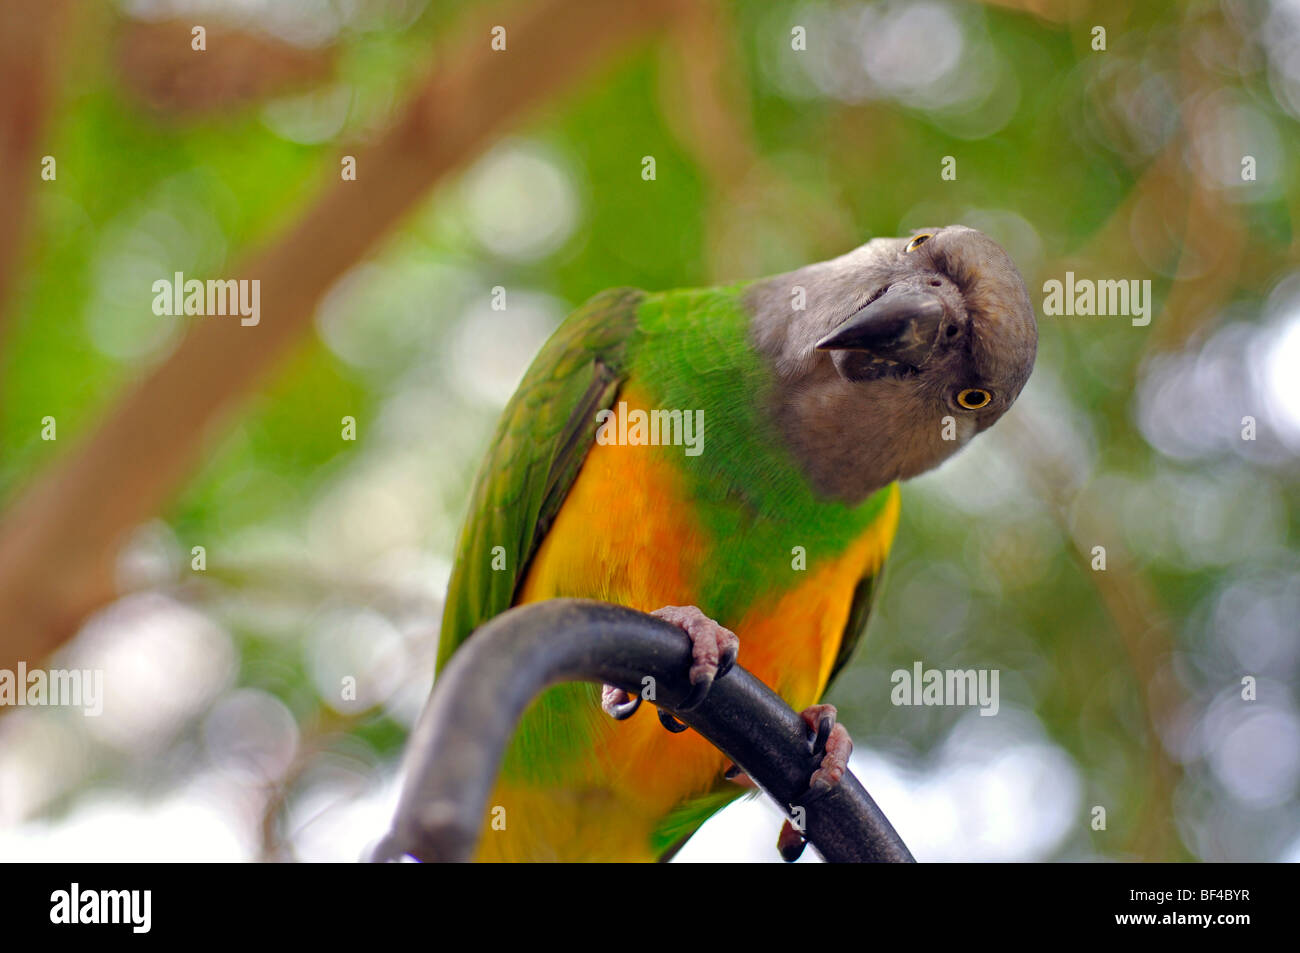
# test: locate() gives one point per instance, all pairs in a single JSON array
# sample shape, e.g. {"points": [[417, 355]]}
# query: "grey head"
{"points": [[891, 358]]}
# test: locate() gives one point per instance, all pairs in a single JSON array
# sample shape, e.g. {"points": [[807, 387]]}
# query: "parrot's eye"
{"points": [[972, 398], [917, 242]]}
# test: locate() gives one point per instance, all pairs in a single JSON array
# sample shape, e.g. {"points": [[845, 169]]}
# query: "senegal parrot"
{"points": [[726, 459]]}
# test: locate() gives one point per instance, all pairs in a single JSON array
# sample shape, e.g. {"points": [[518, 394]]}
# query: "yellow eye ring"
{"points": [[917, 242], [974, 398]]}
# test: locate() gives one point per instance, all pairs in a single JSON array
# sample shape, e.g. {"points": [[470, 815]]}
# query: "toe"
{"points": [[835, 760], [713, 648], [829, 739], [820, 719], [618, 704]]}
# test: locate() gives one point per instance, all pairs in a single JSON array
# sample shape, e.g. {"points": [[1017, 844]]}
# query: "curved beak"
{"points": [[900, 327]]}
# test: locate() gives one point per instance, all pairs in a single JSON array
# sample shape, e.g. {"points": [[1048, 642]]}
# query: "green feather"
{"points": [[539, 445], [694, 352]]}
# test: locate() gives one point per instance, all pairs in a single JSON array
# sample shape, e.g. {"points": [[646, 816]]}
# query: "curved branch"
{"points": [[455, 751]]}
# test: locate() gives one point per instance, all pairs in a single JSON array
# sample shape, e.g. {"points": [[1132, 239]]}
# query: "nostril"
{"points": [[936, 283], [952, 330]]}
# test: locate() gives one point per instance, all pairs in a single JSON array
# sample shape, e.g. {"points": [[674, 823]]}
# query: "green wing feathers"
{"points": [[864, 597], [536, 453]]}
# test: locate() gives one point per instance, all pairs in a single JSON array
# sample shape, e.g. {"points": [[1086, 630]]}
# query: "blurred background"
{"points": [[223, 736]]}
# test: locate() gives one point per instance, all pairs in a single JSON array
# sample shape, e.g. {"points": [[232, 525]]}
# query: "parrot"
{"points": [[726, 459]]}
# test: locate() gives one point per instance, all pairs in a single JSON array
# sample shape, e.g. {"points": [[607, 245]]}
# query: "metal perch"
{"points": [[456, 749]]}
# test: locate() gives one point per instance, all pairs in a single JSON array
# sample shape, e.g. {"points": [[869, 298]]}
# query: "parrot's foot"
{"points": [[713, 653], [831, 740], [621, 706], [713, 649], [618, 704]]}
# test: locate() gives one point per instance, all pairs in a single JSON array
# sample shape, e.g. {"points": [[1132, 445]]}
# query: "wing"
{"points": [[864, 597], [539, 447]]}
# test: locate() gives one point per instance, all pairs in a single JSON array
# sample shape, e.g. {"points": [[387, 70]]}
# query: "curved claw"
{"points": [[699, 692], [672, 724], [824, 726], [830, 743], [727, 661], [626, 710], [617, 703], [790, 842]]}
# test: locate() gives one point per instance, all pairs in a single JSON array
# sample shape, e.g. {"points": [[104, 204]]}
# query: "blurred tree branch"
{"points": [[707, 105], [59, 538], [318, 732], [238, 66], [30, 35]]}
